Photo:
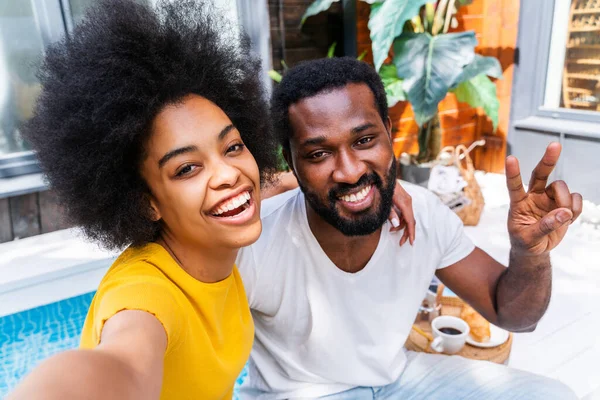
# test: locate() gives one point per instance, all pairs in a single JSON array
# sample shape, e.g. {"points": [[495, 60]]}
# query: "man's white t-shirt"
{"points": [[320, 330]]}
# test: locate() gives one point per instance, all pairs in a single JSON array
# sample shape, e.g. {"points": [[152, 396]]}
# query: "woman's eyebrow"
{"points": [[175, 153]]}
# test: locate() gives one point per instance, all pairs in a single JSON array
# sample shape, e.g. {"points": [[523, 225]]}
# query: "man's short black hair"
{"points": [[104, 85], [310, 78]]}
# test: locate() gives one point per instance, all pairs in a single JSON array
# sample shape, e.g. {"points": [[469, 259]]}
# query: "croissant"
{"points": [[479, 326]]}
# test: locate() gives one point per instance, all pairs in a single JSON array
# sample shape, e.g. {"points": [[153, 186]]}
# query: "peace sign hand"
{"points": [[539, 218]]}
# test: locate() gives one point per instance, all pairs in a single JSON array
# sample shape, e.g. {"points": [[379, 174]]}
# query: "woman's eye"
{"points": [[235, 148], [186, 169]]}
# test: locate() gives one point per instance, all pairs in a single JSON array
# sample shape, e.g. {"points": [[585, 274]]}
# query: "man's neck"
{"points": [[349, 253]]}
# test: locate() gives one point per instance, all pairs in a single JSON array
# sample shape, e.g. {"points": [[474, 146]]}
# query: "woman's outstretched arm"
{"points": [[127, 364]]}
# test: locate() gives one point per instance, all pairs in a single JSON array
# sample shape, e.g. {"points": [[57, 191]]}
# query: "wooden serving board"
{"points": [[453, 306]]}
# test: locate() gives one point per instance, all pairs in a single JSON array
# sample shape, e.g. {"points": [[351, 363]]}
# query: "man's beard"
{"points": [[367, 221]]}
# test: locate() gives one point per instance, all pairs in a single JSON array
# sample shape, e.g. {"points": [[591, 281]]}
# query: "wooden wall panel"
{"points": [[25, 215], [51, 212], [5, 222], [30, 214], [495, 23]]}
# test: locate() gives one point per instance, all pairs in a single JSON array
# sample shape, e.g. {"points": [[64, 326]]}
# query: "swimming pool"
{"points": [[29, 337]]}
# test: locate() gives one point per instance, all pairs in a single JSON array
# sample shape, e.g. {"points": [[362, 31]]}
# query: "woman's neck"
{"points": [[204, 265]]}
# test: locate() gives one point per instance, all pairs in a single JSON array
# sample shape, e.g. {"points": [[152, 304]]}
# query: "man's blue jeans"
{"points": [[432, 377]]}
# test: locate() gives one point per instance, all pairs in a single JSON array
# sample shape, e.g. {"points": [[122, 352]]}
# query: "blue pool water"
{"points": [[31, 336], [28, 337]]}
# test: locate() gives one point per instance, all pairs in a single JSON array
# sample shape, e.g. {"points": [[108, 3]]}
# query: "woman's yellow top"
{"points": [[208, 325]]}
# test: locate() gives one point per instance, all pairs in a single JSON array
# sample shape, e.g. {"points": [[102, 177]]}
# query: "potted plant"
{"points": [[427, 62]]}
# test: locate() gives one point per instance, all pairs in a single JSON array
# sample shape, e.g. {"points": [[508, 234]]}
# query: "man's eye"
{"points": [[317, 155], [186, 169], [364, 140], [235, 148]]}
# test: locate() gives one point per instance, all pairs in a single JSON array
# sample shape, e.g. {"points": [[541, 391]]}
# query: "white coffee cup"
{"points": [[447, 342]]}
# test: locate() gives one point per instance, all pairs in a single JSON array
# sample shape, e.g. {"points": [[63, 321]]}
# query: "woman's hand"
{"points": [[402, 216]]}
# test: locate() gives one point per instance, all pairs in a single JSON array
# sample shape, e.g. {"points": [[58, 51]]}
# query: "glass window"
{"points": [[26, 27], [21, 47], [78, 9], [573, 79], [229, 8]]}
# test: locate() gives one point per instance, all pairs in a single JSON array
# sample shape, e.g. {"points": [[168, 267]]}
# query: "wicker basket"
{"points": [[471, 213], [452, 306]]}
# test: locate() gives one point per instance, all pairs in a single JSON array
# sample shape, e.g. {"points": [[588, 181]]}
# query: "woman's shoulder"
{"points": [[136, 282], [140, 264]]}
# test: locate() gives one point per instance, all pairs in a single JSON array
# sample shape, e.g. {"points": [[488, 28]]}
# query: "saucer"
{"points": [[497, 337]]}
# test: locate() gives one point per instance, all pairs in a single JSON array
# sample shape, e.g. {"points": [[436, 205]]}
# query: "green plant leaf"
{"points": [[392, 84], [331, 51], [394, 92], [430, 66], [316, 7], [388, 71], [362, 55], [489, 66], [480, 91], [281, 163], [276, 76], [386, 22]]}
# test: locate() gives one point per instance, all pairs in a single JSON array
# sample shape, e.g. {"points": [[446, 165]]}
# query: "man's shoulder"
{"points": [[430, 213], [423, 199], [418, 193], [277, 215], [281, 203]]}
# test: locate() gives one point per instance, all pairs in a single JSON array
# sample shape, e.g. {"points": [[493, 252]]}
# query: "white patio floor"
{"points": [[566, 343]]}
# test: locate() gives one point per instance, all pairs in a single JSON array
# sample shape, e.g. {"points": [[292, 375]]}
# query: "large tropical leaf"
{"points": [[480, 91], [394, 92], [316, 7], [392, 84], [386, 22], [388, 71], [489, 66], [430, 66]]}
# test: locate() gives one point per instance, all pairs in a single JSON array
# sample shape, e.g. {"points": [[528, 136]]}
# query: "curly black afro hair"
{"points": [[104, 85], [310, 78]]}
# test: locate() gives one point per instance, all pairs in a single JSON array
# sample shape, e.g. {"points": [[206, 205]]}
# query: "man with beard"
{"points": [[332, 294]]}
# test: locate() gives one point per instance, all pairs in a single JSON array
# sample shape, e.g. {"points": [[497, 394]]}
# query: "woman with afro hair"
{"points": [[146, 128]]}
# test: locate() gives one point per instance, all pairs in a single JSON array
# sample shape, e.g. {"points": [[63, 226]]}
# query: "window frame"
{"points": [[530, 76], [50, 19], [55, 20]]}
